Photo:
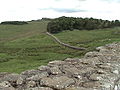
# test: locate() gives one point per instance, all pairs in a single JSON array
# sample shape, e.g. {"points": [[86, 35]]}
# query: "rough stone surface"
{"points": [[55, 70], [79, 88], [20, 81], [5, 84], [39, 88], [57, 82], [38, 77], [7, 88], [31, 84], [12, 77], [97, 70], [30, 73]]}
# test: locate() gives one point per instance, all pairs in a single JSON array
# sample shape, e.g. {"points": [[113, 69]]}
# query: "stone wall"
{"points": [[97, 70]]}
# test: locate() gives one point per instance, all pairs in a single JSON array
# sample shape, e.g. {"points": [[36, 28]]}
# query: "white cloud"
{"points": [[35, 9]]}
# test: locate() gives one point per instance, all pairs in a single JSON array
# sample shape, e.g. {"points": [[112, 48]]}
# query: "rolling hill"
{"points": [[27, 46]]}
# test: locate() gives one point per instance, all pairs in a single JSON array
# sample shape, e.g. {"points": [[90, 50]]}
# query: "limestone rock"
{"points": [[54, 63], [39, 88], [92, 54], [5, 84], [31, 84], [95, 77], [72, 61], [57, 82], [55, 70], [38, 77], [20, 81], [7, 88], [90, 61], [92, 84], [79, 88], [70, 70], [2, 74], [43, 68], [12, 77], [101, 48], [30, 73], [104, 65]]}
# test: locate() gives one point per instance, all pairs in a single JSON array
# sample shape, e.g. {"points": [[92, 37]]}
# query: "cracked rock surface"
{"points": [[97, 70]]}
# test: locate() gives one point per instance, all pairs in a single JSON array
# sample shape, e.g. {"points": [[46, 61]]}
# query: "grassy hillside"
{"points": [[27, 46], [13, 32]]}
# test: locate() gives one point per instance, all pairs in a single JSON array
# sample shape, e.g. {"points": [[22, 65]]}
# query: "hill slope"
{"points": [[27, 46], [97, 70], [13, 32]]}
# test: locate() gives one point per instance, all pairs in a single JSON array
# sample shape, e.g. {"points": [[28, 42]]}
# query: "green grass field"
{"points": [[25, 47]]}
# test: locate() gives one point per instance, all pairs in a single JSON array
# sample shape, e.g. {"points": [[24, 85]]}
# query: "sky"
{"points": [[26, 10]]}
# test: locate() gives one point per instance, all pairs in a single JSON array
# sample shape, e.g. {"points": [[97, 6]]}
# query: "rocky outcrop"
{"points": [[97, 70]]}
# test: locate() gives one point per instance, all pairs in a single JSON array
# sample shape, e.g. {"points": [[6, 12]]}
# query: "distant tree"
{"points": [[14, 22], [71, 23], [54, 27], [117, 23], [46, 19]]}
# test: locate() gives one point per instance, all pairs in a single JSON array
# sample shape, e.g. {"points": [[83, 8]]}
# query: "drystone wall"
{"points": [[97, 70]]}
